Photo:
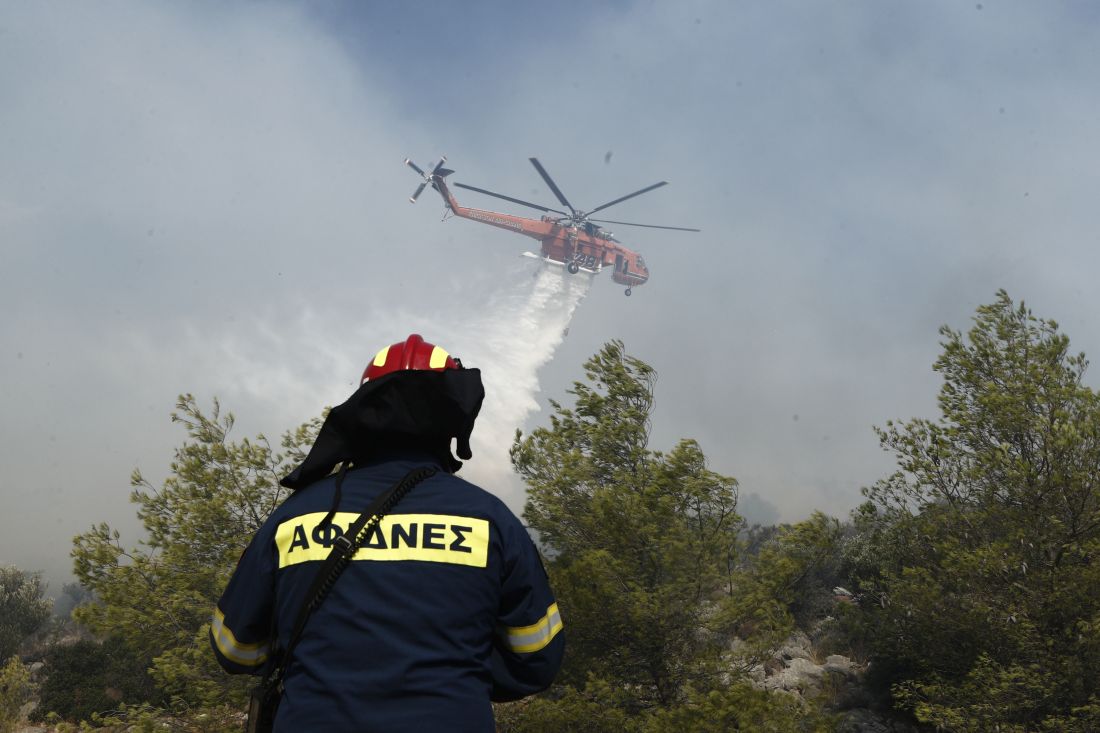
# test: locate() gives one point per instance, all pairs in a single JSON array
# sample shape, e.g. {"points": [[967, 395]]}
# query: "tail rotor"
{"points": [[437, 170]]}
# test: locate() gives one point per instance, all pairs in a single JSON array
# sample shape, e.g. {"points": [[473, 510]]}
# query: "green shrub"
{"points": [[89, 677], [15, 691]]}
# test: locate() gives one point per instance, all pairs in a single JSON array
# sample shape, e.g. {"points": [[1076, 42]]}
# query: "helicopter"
{"points": [[572, 239]]}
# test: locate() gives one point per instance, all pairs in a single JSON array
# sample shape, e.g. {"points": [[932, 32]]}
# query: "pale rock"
{"points": [[797, 647]]}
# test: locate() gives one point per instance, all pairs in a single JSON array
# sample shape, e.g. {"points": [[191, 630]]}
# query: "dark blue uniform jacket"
{"points": [[445, 606]]}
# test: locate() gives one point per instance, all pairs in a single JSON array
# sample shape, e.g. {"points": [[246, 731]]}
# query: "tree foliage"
{"points": [[645, 558], [15, 690], [23, 608], [72, 595], [740, 707], [160, 594], [599, 708], [978, 563], [654, 532], [88, 677]]}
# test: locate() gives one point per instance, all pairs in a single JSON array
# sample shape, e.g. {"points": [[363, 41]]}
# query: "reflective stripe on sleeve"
{"points": [[249, 655], [526, 639]]}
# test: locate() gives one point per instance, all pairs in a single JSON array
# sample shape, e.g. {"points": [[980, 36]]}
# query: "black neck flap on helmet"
{"points": [[413, 407]]}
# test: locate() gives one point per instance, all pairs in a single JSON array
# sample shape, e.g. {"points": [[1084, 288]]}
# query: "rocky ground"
{"points": [[798, 669]]}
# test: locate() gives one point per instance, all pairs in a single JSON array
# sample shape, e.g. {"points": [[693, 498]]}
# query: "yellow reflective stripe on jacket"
{"points": [[250, 655], [442, 538], [525, 639]]}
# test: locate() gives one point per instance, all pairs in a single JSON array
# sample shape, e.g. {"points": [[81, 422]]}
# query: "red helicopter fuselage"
{"points": [[585, 247]]}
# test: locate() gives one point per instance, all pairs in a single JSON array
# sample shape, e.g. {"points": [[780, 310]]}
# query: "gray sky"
{"points": [[208, 197]]}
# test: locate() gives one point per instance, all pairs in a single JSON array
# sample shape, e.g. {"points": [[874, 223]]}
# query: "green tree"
{"points": [[598, 708], [659, 605], [88, 677], [798, 567], [72, 595], [160, 595], [739, 707], [23, 608], [981, 590], [15, 690]]}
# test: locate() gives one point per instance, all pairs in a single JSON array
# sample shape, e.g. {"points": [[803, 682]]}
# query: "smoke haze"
{"points": [[208, 197], [510, 341]]}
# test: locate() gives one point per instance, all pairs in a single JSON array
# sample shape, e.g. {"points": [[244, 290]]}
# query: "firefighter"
{"points": [[445, 606]]}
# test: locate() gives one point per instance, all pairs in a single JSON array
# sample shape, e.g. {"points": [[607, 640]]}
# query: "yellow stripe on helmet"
{"points": [[438, 359]]}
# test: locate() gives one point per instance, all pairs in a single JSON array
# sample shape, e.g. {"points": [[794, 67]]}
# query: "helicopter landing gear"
{"points": [[573, 268], [627, 292]]}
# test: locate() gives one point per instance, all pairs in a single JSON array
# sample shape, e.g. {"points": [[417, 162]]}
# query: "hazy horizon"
{"points": [[210, 198]]}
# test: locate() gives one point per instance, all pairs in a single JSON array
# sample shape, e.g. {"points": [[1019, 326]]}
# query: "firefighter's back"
{"points": [[403, 640]]}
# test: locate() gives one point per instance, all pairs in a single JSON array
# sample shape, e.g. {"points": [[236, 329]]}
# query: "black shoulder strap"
{"points": [[345, 546]]}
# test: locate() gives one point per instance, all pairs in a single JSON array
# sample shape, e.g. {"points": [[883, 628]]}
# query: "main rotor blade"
{"points": [[414, 166], [509, 198], [647, 226], [439, 165], [629, 196], [416, 195], [550, 182]]}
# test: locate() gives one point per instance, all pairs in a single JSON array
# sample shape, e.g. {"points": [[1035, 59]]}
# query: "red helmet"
{"points": [[414, 353]]}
